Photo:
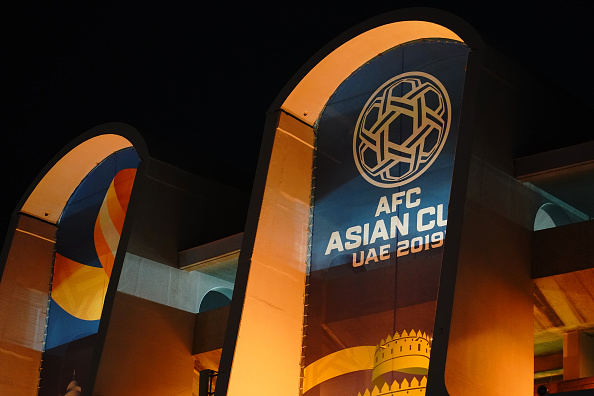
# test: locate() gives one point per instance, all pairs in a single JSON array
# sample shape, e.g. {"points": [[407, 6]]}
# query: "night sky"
{"points": [[197, 78]]}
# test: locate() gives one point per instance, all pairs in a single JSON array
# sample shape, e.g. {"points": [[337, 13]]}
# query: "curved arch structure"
{"points": [[216, 297], [477, 320], [273, 263], [66, 227], [550, 215], [309, 97], [67, 169]]}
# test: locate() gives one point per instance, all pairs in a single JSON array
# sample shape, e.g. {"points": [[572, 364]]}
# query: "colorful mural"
{"points": [[88, 236]]}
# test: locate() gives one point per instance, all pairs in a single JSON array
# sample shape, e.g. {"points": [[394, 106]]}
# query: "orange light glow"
{"points": [[269, 342], [311, 94], [47, 201]]}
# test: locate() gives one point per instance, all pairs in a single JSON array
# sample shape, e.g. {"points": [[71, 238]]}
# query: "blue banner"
{"points": [[385, 149], [384, 153]]}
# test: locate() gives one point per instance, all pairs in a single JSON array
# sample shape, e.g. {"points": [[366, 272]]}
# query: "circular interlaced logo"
{"points": [[402, 129]]}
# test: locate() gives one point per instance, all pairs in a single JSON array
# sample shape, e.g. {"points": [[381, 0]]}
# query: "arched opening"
{"points": [[48, 197], [274, 264], [218, 297], [550, 215], [60, 252], [307, 100]]}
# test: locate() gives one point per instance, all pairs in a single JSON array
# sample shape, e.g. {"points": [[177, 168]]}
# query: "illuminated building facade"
{"points": [[412, 229]]}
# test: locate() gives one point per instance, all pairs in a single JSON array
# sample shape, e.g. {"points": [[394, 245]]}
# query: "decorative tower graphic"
{"points": [[405, 353], [73, 388], [404, 356]]}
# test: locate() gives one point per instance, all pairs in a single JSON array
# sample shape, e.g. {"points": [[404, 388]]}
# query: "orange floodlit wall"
{"points": [[491, 341], [47, 201], [267, 358], [23, 305], [268, 352], [28, 257], [147, 350], [308, 98]]}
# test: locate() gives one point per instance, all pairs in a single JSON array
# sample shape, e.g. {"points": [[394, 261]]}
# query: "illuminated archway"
{"points": [[275, 247], [29, 269]]}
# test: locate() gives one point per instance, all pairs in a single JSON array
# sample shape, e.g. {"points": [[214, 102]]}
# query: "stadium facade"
{"points": [[420, 223]]}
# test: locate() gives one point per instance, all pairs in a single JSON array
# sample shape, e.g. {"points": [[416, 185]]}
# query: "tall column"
{"points": [[578, 355]]}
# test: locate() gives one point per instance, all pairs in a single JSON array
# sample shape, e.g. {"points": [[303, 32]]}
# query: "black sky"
{"points": [[196, 78]]}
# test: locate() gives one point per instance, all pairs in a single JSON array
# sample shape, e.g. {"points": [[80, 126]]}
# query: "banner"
{"points": [[385, 147], [86, 243]]}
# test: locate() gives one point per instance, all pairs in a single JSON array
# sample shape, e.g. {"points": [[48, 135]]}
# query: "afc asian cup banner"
{"points": [[385, 150], [385, 147]]}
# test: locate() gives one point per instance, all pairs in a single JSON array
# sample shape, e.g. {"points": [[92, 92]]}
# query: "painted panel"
{"points": [[385, 146], [86, 243]]}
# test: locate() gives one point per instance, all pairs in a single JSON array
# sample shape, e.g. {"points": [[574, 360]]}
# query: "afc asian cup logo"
{"points": [[402, 129]]}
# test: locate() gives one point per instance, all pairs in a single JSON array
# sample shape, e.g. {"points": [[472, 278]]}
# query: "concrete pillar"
{"points": [[578, 355]]}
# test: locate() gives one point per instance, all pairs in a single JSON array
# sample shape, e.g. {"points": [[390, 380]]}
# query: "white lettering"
{"points": [[402, 248], [355, 262], [416, 245], [441, 222], [437, 239], [425, 227], [382, 206], [334, 243], [365, 233], [379, 231], [396, 199], [395, 223], [409, 193], [371, 256], [384, 252], [353, 234]]}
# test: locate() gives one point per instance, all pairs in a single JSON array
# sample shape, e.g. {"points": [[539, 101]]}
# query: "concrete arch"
{"points": [[27, 260], [227, 292], [287, 154], [67, 169], [216, 297], [308, 90]]}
